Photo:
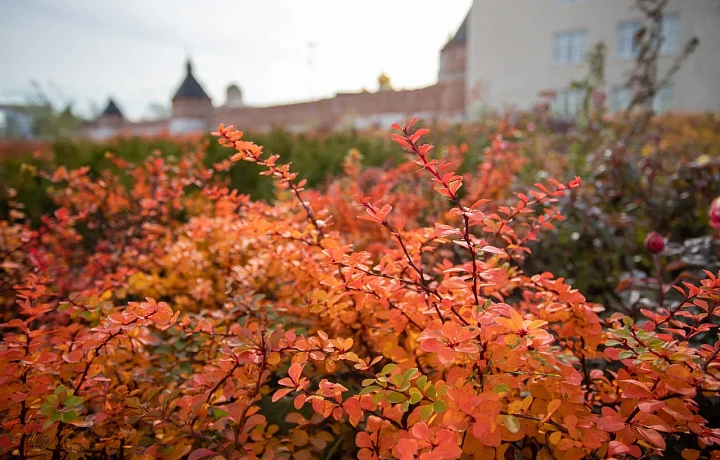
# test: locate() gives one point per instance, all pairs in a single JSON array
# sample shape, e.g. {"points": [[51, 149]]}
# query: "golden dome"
{"points": [[384, 82]]}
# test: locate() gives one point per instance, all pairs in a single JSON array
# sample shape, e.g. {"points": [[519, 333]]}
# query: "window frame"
{"points": [[631, 26], [564, 47], [669, 47]]}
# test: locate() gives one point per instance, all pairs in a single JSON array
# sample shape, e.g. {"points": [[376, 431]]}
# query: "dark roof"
{"points": [[460, 36], [190, 88], [112, 109]]}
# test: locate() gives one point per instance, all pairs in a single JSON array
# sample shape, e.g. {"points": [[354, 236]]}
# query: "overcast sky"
{"points": [[134, 50]]}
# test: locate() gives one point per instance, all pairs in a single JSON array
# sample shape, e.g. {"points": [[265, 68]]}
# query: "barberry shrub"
{"points": [[158, 314]]}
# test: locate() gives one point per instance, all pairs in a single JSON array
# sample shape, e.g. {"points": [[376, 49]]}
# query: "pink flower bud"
{"points": [[714, 214], [654, 242]]}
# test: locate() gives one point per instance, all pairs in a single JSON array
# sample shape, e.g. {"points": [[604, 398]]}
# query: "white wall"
{"points": [[187, 125], [510, 49]]}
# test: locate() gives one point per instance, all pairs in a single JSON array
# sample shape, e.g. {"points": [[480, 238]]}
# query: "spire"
{"points": [[190, 88], [112, 109], [460, 36]]}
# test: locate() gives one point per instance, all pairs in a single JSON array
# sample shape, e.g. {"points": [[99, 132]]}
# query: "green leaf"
{"points": [[426, 412], [611, 342], [72, 401], [421, 381], [405, 406], [60, 389], [624, 333], [628, 321], [439, 407], [378, 397], [397, 380], [367, 382], [502, 388], [218, 414], [368, 390], [69, 416], [512, 423], [441, 392], [409, 373], [415, 396], [431, 392], [388, 368], [626, 354], [643, 335], [185, 368], [395, 397]]}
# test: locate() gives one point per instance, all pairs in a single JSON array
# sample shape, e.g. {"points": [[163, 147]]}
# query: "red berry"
{"points": [[654, 242]]}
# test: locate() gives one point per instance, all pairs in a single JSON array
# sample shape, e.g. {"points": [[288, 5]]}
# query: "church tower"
{"points": [[191, 106], [452, 75], [109, 123]]}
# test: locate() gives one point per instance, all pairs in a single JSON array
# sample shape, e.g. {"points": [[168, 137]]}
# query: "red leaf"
{"points": [[201, 453], [492, 249], [421, 431], [281, 393], [74, 356], [617, 448], [363, 439], [299, 401], [295, 371], [446, 356], [47, 357], [651, 406], [406, 448], [653, 437], [636, 389], [611, 424]]}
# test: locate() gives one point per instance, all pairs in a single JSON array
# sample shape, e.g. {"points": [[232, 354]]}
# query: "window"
{"points": [[663, 99], [620, 99], [569, 47], [568, 102], [627, 47], [670, 33]]}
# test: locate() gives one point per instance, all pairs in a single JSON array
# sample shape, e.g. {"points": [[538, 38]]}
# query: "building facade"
{"points": [[506, 53], [518, 49], [193, 110]]}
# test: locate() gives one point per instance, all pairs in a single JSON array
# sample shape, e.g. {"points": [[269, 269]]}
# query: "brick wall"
{"points": [[444, 100]]}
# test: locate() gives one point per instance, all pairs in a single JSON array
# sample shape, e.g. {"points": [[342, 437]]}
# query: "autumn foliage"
{"points": [[159, 314]]}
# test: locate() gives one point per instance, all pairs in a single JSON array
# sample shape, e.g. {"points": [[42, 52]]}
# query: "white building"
{"points": [[520, 48]]}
